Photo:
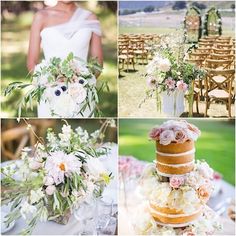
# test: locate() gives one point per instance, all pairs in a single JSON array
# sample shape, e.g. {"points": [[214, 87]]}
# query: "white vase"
{"points": [[173, 103]]}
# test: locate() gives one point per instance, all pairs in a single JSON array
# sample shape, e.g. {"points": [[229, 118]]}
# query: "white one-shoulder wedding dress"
{"points": [[60, 40]]}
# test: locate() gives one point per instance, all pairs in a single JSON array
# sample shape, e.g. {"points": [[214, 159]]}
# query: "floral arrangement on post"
{"points": [[68, 86], [168, 72], [55, 177]]}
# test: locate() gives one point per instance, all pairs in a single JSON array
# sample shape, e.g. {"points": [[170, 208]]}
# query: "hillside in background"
{"points": [[140, 5]]}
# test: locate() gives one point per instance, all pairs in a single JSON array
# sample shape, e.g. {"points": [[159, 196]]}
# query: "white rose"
{"points": [[77, 92], [205, 170], [166, 137], [164, 65], [50, 189], [63, 105]]}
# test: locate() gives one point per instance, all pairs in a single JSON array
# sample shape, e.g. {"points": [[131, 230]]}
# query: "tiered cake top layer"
{"points": [[175, 147]]}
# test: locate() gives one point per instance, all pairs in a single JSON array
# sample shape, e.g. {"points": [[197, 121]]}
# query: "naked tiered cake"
{"points": [[176, 187]]}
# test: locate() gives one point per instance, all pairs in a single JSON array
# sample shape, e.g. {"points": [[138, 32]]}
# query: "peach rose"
{"points": [[203, 192], [180, 136]]}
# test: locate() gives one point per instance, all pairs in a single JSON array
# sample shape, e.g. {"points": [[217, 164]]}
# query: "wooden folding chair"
{"points": [[20, 136], [219, 90]]}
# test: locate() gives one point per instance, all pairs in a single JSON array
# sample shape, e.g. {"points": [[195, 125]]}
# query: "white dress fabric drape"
{"points": [[60, 40]]}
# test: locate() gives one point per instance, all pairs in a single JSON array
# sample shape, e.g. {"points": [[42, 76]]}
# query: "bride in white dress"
{"points": [[60, 30]]}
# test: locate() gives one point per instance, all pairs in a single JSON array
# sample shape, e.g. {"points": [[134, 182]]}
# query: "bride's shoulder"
{"points": [[41, 15], [90, 14]]}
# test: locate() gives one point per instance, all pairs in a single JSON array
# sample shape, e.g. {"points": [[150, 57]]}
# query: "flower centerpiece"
{"points": [[56, 176], [169, 76], [67, 86]]}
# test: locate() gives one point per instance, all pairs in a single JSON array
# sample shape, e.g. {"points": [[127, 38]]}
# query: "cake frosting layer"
{"points": [[175, 169], [171, 216]]}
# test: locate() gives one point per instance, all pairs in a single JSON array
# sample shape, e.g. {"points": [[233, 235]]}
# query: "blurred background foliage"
{"points": [[16, 19], [216, 144]]}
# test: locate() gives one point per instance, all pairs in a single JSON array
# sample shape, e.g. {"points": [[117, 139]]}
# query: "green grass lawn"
{"points": [[15, 36], [216, 144]]}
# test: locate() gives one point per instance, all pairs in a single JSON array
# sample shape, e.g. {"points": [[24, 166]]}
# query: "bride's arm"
{"points": [[96, 45], [34, 42]]}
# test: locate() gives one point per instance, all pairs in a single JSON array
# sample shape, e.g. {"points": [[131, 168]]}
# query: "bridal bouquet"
{"points": [[68, 86], [55, 177]]}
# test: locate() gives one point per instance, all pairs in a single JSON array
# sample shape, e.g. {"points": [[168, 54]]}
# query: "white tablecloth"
{"points": [[73, 226]]}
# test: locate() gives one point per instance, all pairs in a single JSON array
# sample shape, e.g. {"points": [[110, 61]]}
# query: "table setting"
{"points": [[86, 206]]}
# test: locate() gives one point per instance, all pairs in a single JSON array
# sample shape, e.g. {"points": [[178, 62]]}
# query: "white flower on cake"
{"points": [[166, 137], [60, 165], [160, 194], [205, 170]]}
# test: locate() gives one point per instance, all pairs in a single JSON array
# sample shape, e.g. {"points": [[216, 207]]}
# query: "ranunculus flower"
{"points": [[164, 64], [180, 136], [77, 92], [94, 166], [50, 189], [166, 137], [182, 86], [204, 192], [155, 133], [176, 181], [170, 83]]}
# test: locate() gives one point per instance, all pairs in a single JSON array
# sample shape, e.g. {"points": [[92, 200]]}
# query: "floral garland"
{"points": [[206, 19], [55, 177], [68, 86]]}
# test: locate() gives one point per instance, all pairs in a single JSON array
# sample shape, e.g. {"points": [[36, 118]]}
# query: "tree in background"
{"points": [[179, 5], [199, 5], [232, 6], [149, 9]]}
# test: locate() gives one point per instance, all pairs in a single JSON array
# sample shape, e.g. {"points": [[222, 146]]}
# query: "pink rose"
{"points": [[155, 133], [50, 189], [194, 129], [166, 137], [180, 136], [176, 181], [170, 83], [181, 85]]}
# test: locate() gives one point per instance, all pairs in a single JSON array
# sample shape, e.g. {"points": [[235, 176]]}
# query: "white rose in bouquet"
{"points": [[64, 106], [77, 92], [164, 64]]}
